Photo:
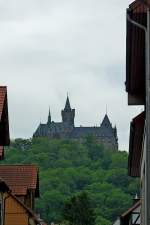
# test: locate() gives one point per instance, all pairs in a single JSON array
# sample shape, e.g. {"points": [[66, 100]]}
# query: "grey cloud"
{"points": [[51, 47]]}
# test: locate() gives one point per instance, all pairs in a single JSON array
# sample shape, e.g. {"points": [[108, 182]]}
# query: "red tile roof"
{"points": [[20, 178], [3, 92]]}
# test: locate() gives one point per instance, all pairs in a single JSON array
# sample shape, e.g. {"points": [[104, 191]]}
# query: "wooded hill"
{"points": [[68, 168]]}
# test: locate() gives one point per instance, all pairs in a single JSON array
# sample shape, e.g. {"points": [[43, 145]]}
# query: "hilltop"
{"points": [[69, 167]]}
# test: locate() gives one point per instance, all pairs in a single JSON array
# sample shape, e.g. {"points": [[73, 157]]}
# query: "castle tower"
{"points": [[110, 133], [49, 118], [68, 114]]}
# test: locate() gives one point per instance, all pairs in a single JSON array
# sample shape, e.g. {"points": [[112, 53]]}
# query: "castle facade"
{"points": [[105, 133]]}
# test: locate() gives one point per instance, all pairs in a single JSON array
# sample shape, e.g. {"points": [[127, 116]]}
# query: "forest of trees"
{"points": [[68, 168]]}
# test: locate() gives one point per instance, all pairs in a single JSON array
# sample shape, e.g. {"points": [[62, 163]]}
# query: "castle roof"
{"points": [[97, 131], [106, 122], [41, 130]]}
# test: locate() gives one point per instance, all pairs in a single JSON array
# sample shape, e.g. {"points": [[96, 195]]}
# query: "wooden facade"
{"points": [[15, 211]]}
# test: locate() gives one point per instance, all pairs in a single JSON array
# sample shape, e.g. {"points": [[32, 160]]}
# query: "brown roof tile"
{"points": [[20, 178]]}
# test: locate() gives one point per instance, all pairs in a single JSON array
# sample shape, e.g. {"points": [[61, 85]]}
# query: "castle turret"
{"points": [[109, 133], [49, 118], [68, 114]]}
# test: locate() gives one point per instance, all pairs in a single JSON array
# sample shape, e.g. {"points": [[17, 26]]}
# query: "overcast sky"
{"points": [[51, 47]]}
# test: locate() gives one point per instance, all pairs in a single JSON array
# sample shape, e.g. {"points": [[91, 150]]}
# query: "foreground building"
{"points": [[14, 211], [131, 216], [105, 133], [19, 184], [23, 181], [138, 89]]}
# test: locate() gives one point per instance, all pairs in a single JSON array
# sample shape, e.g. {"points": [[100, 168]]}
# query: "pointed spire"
{"points": [[49, 117], [106, 122], [67, 105]]}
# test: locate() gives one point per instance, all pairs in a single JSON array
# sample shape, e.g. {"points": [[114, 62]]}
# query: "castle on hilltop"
{"points": [[105, 133]]}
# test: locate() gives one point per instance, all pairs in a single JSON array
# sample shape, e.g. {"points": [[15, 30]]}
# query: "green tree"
{"points": [[69, 167], [78, 210]]}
